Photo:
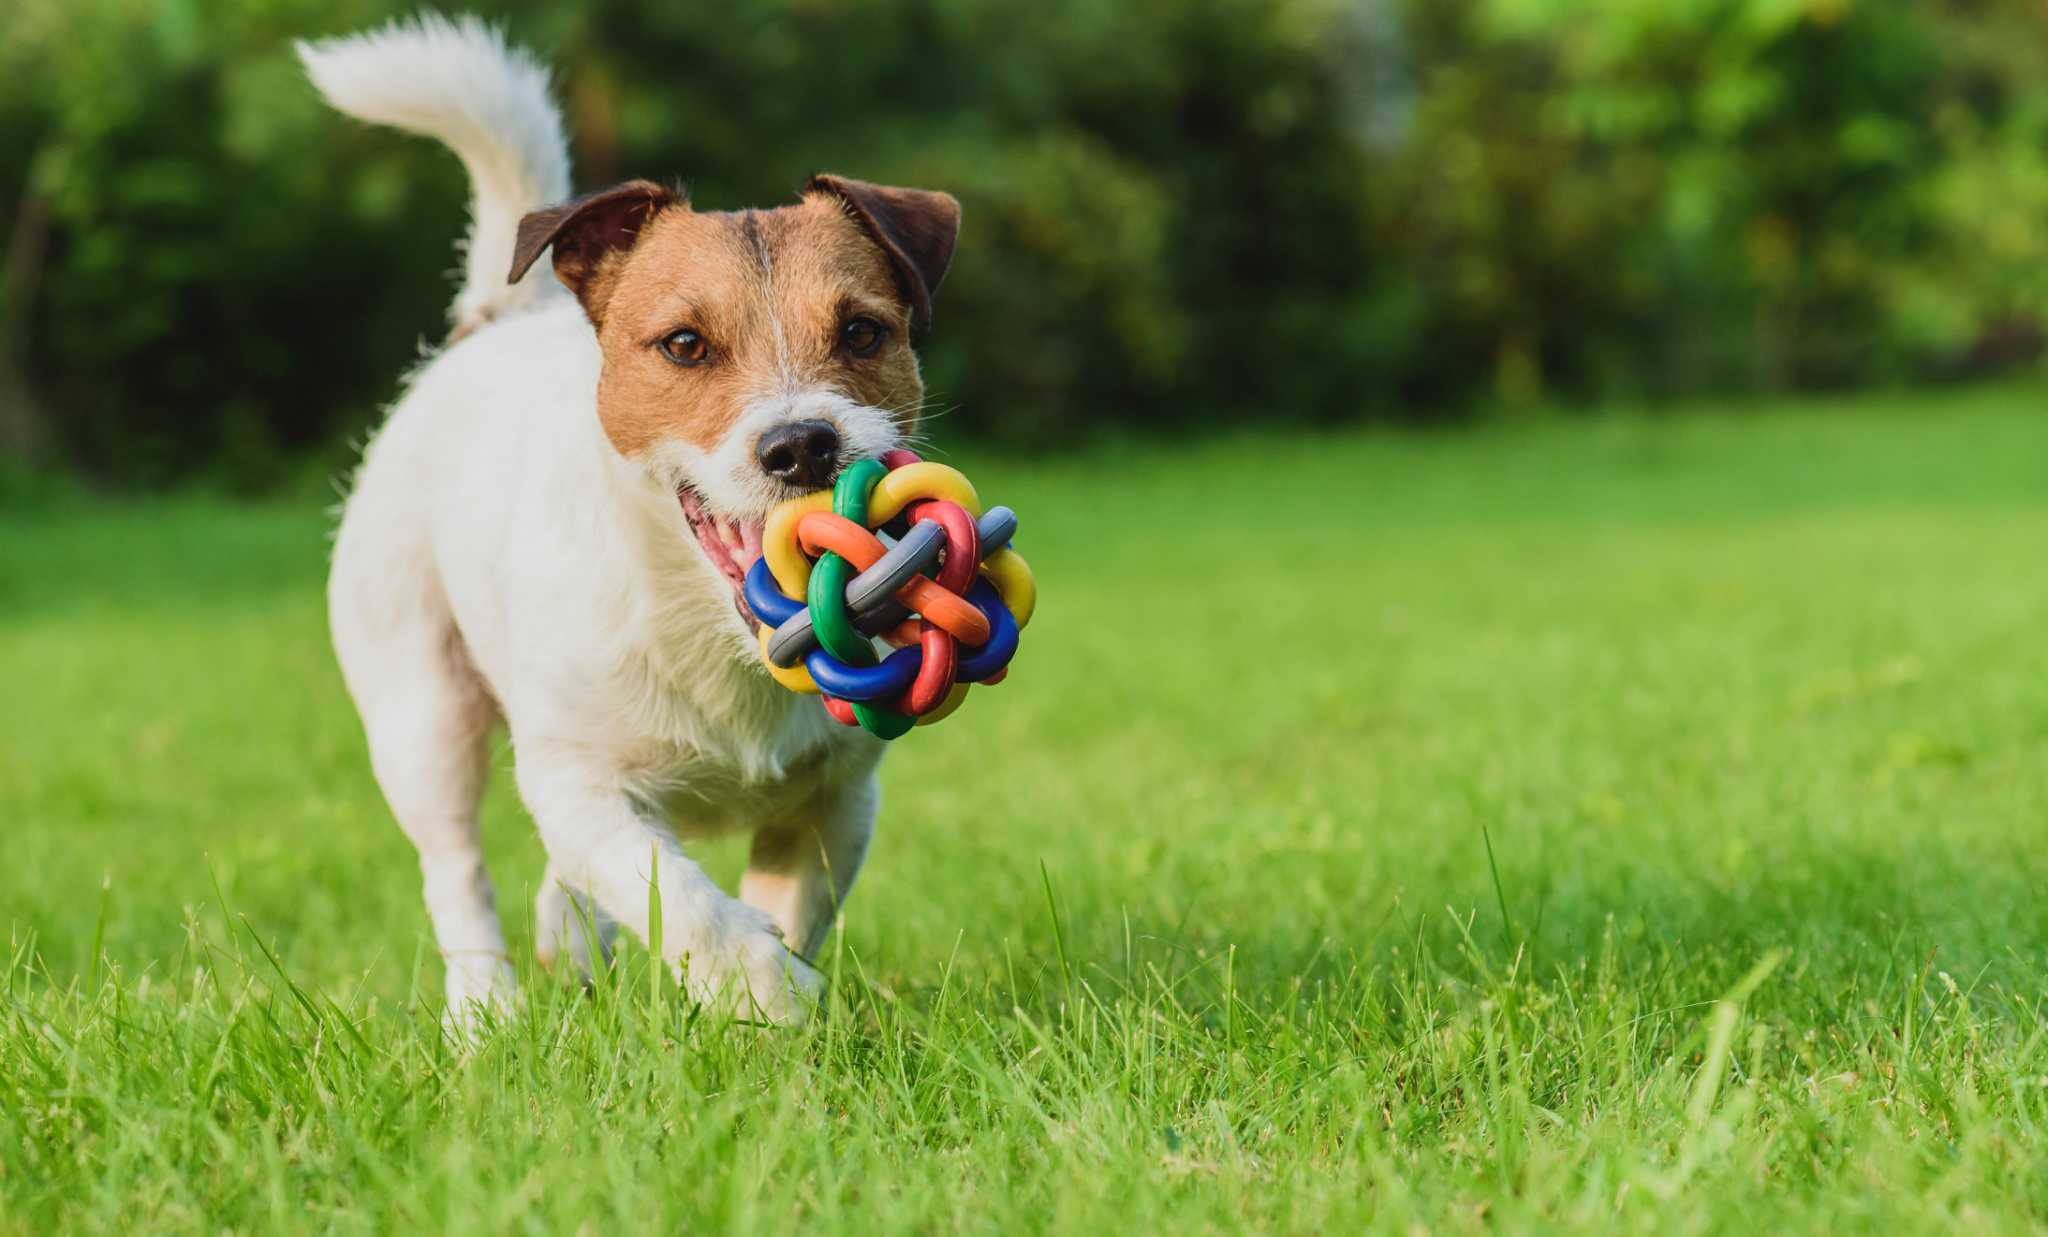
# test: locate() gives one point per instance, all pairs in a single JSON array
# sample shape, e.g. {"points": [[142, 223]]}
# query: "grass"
{"points": [[1615, 825]]}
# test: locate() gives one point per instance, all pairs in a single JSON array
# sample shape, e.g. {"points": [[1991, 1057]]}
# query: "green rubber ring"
{"points": [[826, 593], [851, 492], [882, 723], [826, 596]]}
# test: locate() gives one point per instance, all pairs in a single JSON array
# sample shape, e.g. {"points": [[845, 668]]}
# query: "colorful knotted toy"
{"points": [[953, 626]]}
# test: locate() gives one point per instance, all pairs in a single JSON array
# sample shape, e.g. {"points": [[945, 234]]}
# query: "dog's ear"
{"points": [[916, 228], [584, 232]]}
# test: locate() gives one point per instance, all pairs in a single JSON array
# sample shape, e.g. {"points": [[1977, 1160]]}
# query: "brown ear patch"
{"points": [[584, 232], [916, 228]]}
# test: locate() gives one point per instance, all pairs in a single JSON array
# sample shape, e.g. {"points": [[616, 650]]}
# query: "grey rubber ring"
{"points": [[917, 553], [793, 641], [995, 529], [877, 586]]}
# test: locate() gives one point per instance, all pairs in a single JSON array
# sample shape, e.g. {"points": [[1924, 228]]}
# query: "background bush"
{"points": [[1176, 209]]}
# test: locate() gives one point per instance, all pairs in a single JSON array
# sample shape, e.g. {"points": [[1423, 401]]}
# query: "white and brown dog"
{"points": [[552, 526]]}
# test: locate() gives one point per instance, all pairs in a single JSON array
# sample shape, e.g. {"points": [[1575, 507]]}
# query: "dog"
{"points": [[551, 528]]}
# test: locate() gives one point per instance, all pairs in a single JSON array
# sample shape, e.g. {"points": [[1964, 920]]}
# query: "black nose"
{"points": [[801, 453]]}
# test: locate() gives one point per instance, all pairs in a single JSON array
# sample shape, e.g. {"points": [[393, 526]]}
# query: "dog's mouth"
{"points": [[732, 546]]}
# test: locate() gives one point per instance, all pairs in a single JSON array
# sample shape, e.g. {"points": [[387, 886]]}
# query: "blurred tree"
{"points": [[1163, 207], [1660, 196], [217, 270], [1176, 211]]}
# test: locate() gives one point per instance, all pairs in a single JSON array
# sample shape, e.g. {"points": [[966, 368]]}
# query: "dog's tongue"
{"points": [[715, 548], [731, 545]]}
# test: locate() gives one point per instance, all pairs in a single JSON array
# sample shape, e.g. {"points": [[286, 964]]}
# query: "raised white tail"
{"points": [[460, 82]]}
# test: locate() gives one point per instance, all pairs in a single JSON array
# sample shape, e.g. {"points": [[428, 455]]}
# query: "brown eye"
{"points": [[862, 336], [686, 348]]}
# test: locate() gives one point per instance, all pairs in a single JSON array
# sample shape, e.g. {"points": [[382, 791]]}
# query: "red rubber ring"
{"points": [[897, 458], [963, 542], [841, 711], [934, 674]]}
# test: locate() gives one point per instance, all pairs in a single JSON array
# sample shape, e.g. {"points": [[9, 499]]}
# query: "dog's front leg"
{"points": [[800, 870], [567, 925], [604, 842]]}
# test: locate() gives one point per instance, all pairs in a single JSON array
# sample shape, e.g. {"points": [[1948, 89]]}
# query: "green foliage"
{"points": [[221, 253], [1175, 211], [1657, 848], [1671, 197]]}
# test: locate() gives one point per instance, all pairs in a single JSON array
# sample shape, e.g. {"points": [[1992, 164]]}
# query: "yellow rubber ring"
{"points": [[786, 561], [954, 699], [795, 678], [1012, 578], [903, 486]]}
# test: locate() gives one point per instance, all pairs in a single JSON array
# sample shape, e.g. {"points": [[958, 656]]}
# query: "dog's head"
{"points": [[749, 354]]}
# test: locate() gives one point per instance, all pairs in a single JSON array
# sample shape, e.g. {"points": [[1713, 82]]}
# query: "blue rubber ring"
{"points": [[866, 684], [765, 599], [977, 664]]}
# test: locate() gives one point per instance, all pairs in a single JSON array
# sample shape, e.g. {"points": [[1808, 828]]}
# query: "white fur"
{"points": [[498, 559]]}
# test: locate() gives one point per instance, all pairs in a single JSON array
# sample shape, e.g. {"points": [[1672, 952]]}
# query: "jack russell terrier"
{"points": [[553, 525]]}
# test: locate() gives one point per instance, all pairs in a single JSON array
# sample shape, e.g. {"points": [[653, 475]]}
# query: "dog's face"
{"points": [[748, 355]]}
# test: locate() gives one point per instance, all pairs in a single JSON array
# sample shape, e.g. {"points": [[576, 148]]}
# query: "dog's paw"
{"points": [[752, 974], [480, 990], [570, 937]]}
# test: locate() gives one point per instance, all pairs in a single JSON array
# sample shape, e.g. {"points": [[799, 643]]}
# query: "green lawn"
{"points": [[1752, 708]]}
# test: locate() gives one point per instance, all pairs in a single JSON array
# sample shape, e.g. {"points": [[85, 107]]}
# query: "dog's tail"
{"points": [[460, 82]]}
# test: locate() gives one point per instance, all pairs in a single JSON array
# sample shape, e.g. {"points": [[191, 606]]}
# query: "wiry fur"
{"points": [[501, 558]]}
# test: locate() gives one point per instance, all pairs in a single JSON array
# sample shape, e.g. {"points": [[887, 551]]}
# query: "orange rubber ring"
{"points": [[951, 612], [820, 531]]}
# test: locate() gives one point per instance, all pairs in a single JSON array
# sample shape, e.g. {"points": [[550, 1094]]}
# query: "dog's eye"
{"points": [[686, 348], [862, 335]]}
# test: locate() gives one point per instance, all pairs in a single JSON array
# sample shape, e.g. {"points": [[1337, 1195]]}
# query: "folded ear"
{"points": [[584, 232], [916, 228]]}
